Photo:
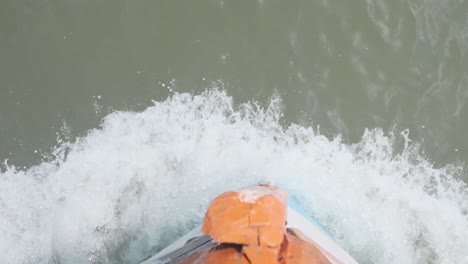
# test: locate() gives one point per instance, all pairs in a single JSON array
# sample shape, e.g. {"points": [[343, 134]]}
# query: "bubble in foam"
{"points": [[129, 188]]}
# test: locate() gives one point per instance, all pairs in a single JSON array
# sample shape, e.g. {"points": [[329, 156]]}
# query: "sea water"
{"points": [[357, 108], [127, 189]]}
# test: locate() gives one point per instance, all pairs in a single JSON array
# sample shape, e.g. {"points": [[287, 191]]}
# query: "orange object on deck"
{"points": [[297, 249], [254, 215], [250, 227]]}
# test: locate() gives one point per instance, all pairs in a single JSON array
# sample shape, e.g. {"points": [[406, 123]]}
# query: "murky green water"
{"points": [[343, 65], [339, 66]]}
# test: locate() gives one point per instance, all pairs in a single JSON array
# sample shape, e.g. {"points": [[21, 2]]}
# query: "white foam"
{"points": [[249, 196], [252, 194], [129, 188]]}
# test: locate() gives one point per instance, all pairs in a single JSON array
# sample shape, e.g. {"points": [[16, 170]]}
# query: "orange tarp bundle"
{"points": [[250, 225]]}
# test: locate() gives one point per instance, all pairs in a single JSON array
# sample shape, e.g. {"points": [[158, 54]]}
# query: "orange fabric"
{"points": [[302, 236], [261, 255], [297, 249], [227, 221], [250, 226], [250, 216]]}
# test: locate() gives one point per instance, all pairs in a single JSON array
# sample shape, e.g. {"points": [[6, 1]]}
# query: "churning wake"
{"points": [[127, 189]]}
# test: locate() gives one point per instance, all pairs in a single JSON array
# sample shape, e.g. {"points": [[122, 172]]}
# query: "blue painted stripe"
{"points": [[294, 204]]}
